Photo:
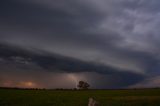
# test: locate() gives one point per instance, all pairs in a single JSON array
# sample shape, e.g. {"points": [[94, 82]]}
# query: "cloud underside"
{"points": [[111, 41], [21, 68]]}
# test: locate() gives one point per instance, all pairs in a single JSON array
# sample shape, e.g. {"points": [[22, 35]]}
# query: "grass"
{"points": [[145, 97]]}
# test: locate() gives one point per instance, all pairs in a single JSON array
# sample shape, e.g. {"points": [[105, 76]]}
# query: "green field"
{"points": [[13, 97]]}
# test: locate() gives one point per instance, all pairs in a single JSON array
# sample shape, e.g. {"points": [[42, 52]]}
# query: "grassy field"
{"points": [[13, 97]]}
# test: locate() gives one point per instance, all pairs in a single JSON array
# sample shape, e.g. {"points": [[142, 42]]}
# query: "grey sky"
{"points": [[121, 34]]}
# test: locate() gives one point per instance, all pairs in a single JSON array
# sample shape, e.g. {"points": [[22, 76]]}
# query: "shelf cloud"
{"points": [[111, 41]]}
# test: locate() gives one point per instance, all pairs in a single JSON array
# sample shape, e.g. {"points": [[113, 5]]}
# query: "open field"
{"points": [[145, 97]]}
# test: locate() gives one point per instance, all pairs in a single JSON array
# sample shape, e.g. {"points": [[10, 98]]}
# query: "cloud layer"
{"points": [[116, 36]]}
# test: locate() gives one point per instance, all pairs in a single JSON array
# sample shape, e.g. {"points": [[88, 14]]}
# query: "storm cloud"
{"points": [[116, 41]]}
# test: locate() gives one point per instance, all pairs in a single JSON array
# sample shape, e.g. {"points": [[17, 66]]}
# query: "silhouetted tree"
{"points": [[83, 85]]}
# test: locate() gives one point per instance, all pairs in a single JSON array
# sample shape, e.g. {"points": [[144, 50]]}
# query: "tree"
{"points": [[83, 85]]}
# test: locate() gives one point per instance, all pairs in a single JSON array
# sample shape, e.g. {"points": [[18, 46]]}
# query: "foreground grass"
{"points": [[12, 97]]}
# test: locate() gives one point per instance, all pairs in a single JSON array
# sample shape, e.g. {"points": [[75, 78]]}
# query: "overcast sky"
{"points": [[56, 43]]}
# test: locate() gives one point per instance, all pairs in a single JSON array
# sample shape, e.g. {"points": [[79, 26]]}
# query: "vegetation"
{"points": [[83, 85], [17, 97]]}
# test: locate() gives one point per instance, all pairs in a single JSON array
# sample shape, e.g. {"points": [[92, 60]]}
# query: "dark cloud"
{"points": [[21, 60], [116, 38]]}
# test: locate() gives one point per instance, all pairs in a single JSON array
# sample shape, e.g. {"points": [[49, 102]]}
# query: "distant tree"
{"points": [[74, 89], [83, 85]]}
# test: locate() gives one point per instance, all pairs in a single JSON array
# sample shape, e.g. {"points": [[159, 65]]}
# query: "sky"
{"points": [[56, 43]]}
